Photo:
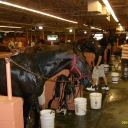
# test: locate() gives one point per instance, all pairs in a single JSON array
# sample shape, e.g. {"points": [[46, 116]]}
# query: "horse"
{"points": [[108, 38], [87, 44], [30, 71]]}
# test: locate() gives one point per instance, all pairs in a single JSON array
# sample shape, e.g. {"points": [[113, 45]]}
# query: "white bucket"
{"points": [[95, 100], [125, 72], [106, 68], [113, 57], [80, 106], [47, 118], [115, 77]]}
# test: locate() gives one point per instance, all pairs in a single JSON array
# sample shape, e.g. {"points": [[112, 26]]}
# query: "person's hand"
{"points": [[96, 67]]}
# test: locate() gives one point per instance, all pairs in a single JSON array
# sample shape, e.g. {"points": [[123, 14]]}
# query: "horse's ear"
{"points": [[74, 50]]}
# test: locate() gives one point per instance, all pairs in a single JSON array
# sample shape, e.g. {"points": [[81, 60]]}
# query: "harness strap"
{"points": [[75, 67]]}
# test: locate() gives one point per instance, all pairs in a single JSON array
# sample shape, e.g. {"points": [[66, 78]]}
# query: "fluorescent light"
{"points": [[35, 11], [6, 31], [9, 27], [95, 28], [110, 9]]}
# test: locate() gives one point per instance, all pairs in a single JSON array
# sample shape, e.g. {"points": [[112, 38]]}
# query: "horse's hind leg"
{"points": [[26, 109], [37, 113]]}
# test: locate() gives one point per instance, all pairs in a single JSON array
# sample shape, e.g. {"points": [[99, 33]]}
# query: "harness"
{"points": [[78, 70]]}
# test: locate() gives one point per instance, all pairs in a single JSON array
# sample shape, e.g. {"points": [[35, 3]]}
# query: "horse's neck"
{"points": [[56, 63]]}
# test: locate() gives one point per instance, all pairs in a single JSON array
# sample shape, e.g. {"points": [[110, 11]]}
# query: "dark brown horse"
{"points": [[33, 70]]}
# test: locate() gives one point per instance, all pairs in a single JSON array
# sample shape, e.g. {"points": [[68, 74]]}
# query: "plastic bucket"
{"points": [[115, 77], [125, 72], [47, 118], [113, 58], [106, 68], [95, 100], [80, 106]]}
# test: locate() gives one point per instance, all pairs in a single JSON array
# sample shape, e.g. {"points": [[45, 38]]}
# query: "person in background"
{"points": [[3, 47], [98, 70], [124, 58], [40, 41], [11, 44]]}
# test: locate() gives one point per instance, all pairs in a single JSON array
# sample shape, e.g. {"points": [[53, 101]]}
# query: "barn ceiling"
{"points": [[75, 10]]}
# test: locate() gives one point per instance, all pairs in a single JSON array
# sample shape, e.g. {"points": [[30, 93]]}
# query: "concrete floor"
{"points": [[113, 112]]}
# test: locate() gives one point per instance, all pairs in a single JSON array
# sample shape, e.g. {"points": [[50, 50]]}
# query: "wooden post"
{"points": [[27, 43], [8, 75]]}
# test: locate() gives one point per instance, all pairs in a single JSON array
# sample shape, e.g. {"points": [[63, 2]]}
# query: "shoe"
{"points": [[105, 88], [91, 88]]}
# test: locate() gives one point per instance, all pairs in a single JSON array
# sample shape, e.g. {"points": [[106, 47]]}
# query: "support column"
{"points": [[89, 32], [42, 34], [27, 40]]}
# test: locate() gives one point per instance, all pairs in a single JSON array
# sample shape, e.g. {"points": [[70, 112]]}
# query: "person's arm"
{"points": [[99, 60]]}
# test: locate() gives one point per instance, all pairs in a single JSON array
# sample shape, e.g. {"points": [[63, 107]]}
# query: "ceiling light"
{"points": [[6, 31], [110, 9], [85, 32], [70, 30], [40, 27], [9, 27], [36, 11], [95, 28]]}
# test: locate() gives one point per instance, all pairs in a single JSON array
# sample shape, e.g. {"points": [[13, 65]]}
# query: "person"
{"points": [[11, 44], [3, 47], [40, 41], [124, 58], [98, 70]]}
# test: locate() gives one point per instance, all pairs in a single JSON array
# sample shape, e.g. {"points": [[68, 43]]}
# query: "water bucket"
{"points": [[106, 68], [47, 118], [125, 72], [115, 77], [113, 57], [95, 100], [80, 106]]}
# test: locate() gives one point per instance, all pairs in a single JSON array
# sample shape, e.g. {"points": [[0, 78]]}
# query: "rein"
{"points": [[34, 73], [76, 67]]}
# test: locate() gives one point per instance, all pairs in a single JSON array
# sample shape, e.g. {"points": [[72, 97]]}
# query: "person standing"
{"points": [[98, 70], [124, 58]]}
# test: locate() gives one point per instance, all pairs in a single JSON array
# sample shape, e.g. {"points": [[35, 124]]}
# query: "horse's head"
{"points": [[108, 38], [80, 67], [111, 37], [87, 43]]}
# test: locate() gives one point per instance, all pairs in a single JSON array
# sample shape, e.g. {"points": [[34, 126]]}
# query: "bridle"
{"points": [[78, 70]]}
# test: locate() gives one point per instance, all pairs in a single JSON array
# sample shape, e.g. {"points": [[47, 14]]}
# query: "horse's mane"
{"points": [[103, 42]]}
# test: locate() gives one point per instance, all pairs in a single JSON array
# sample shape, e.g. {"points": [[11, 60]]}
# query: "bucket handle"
{"points": [[80, 108], [48, 112]]}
